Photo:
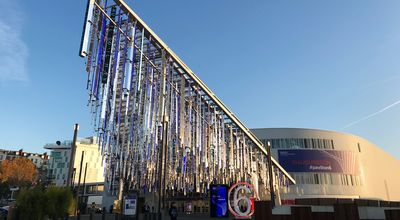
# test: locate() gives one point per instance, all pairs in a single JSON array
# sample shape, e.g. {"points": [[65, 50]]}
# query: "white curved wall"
{"points": [[380, 172]]}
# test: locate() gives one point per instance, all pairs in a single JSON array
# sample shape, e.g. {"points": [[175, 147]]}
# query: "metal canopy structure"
{"points": [[161, 128]]}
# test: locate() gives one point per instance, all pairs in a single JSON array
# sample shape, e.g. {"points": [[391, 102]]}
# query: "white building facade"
{"points": [[327, 164], [92, 181], [60, 159], [39, 160]]}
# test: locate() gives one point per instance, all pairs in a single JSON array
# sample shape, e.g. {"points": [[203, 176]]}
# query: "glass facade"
{"points": [[327, 179], [55, 154], [301, 143]]}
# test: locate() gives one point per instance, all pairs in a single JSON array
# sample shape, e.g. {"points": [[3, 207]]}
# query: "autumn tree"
{"points": [[17, 171]]}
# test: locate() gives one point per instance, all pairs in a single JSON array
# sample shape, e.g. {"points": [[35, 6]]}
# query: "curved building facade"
{"points": [[328, 164]]}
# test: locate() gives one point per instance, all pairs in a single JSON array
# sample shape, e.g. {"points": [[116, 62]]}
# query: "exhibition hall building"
{"points": [[328, 164]]}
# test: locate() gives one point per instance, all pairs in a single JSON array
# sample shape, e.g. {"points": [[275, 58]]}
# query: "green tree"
{"points": [[31, 203], [37, 202], [4, 190], [58, 201]]}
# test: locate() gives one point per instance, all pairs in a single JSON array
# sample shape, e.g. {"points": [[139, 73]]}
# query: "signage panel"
{"points": [[219, 201], [324, 161], [130, 206]]}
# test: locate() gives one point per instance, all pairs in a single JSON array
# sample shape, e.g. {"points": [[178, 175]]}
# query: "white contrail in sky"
{"points": [[372, 115]]}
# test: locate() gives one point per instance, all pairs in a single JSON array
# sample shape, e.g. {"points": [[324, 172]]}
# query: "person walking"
{"points": [[173, 212]]}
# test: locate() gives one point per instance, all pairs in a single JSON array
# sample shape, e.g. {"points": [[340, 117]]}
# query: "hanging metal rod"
{"points": [[187, 71]]}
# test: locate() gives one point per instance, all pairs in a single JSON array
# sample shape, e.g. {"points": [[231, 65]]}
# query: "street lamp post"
{"points": [[72, 156], [270, 174], [79, 182]]}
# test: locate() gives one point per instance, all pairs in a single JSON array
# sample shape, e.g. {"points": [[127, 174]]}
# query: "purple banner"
{"points": [[320, 161]]}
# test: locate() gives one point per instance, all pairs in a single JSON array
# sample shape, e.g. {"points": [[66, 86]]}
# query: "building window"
{"points": [[359, 147], [55, 154], [327, 179], [316, 178], [305, 143], [301, 143]]}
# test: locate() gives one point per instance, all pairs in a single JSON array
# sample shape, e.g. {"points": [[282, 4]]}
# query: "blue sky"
{"points": [[331, 65]]}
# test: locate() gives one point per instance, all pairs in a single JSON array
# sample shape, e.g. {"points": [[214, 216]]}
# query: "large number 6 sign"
{"points": [[241, 205]]}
